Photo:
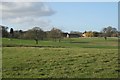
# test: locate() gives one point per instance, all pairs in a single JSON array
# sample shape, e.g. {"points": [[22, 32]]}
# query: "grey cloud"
{"points": [[23, 9], [30, 13], [31, 21]]}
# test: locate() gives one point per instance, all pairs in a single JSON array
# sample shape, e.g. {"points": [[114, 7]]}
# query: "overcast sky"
{"points": [[67, 16]]}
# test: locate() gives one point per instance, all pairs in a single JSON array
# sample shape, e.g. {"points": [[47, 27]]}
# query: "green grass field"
{"points": [[67, 43], [70, 58]]}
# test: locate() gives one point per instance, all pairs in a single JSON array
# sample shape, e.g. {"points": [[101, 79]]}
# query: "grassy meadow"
{"points": [[70, 58]]}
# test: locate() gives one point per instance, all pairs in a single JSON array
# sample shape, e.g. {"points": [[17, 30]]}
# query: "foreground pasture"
{"points": [[80, 60], [49, 62]]}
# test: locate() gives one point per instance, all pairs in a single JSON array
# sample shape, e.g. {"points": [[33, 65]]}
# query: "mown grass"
{"points": [[72, 58], [57, 63]]}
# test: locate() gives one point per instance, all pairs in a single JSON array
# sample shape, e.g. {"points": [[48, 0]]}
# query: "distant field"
{"points": [[70, 58], [67, 43]]}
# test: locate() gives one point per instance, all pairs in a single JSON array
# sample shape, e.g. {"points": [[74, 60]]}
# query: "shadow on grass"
{"points": [[37, 46], [105, 47], [79, 42]]}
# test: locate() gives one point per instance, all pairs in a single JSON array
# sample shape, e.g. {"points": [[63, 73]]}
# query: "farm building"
{"points": [[88, 34], [84, 34], [74, 35], [64, 35], [71, 35]]}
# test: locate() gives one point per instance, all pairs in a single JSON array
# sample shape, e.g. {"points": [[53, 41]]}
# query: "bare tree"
{"points": [[20, 32], [3, 31], [55, 34], [109, 31], [35, 33]]}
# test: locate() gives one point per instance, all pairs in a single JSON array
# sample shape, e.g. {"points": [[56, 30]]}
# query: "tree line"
{"points": [[36, 33], [55, 34]]}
